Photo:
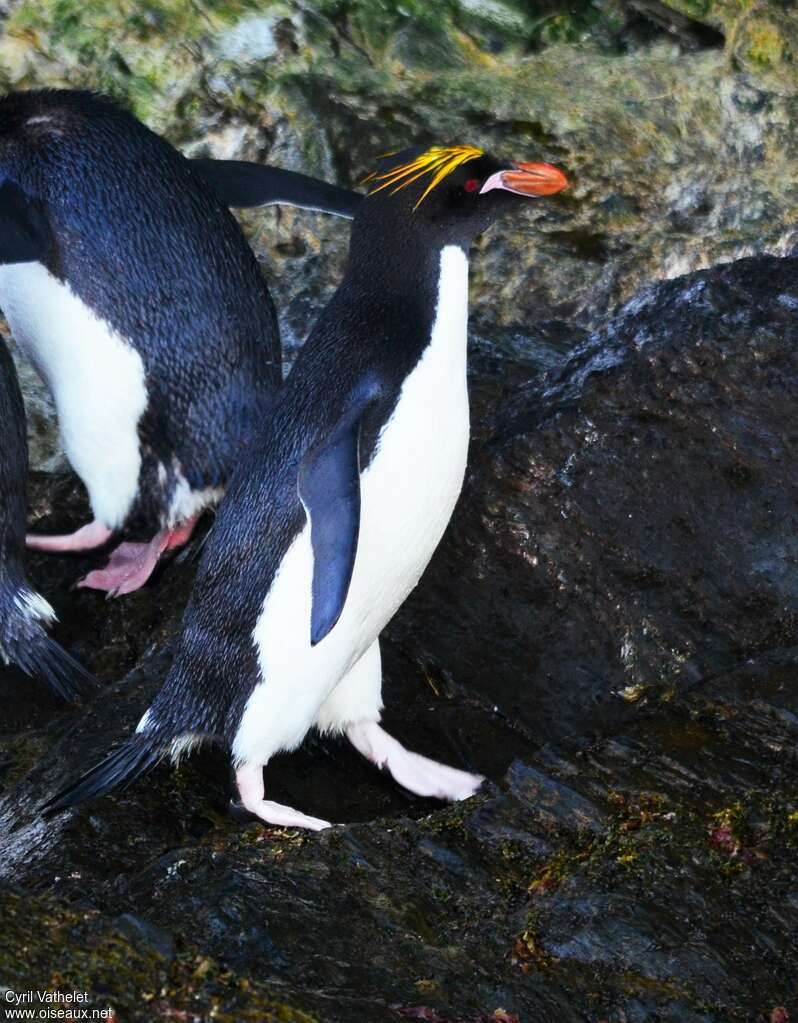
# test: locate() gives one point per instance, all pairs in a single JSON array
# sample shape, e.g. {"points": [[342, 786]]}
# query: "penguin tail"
{"points": [[120, 769], [24, 641]]}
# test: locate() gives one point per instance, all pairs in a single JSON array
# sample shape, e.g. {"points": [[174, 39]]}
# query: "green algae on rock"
{"points": [[46, 944]]}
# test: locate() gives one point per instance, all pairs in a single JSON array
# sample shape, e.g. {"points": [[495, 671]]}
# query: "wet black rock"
{"points": [[629, 522], [609, 631]]}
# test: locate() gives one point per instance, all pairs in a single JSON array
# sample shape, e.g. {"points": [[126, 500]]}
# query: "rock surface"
{"points": [[609, 630]]}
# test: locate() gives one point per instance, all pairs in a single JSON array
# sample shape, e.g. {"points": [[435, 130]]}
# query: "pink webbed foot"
{"points": [[92, 535], [132, 564], [419, 774], [249, 781]]}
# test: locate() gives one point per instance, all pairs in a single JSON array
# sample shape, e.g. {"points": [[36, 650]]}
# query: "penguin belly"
{"points": [[96, 378], [408, 493]]}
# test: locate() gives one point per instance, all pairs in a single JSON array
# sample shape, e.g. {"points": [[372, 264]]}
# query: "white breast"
{"points": [[408, 493], [96, 379]]}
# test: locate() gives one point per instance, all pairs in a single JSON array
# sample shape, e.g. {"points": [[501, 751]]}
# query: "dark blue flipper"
{"points": [[120, 769], [24, 230], [329, 486], [242, 184]]}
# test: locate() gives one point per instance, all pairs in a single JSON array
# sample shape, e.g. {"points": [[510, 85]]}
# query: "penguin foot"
{"points": [[92, 535], [419, 774], [129, 567], [249, 781], [132, 564], [181, 535]]}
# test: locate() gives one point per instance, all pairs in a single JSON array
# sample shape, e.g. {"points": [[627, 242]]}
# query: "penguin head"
{"points": [[453, 193]]}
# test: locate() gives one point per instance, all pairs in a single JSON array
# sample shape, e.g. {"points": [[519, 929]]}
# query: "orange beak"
{"points": [[535, 179]]}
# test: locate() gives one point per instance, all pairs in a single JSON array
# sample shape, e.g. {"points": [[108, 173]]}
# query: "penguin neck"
{"points": [[414, 287], [396, 247]]}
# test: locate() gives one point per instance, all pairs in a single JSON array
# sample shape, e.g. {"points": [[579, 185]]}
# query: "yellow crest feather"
{"points": [[439, 161]]}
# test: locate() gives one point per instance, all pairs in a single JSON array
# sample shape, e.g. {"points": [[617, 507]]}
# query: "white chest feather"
{"points": [[96, 379], [408, 493]]}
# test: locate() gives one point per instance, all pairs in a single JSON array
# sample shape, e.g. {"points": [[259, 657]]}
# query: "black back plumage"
{"points": [[23, 637], [144, 241]]}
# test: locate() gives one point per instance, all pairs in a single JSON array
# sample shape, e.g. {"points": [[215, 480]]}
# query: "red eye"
{"points": [[471, 185]]}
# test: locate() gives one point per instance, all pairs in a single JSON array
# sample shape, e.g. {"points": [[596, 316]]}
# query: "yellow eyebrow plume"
{"points": [[439, 161]]}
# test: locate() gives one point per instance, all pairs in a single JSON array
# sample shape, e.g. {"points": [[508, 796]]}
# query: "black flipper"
{"points": [[329, 486], [24, 230], [242, 184], [120, 769], [24, 641]]}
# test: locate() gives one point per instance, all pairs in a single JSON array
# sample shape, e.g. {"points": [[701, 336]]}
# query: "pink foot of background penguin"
{"points": [[339, 501], [132, 289]]}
